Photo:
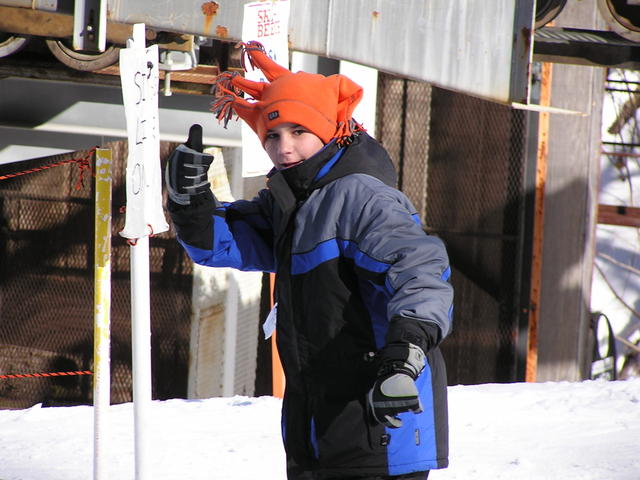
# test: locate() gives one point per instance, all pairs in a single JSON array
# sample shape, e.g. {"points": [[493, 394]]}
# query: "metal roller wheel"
{"points": [[623, 17], [86, 62], [11, 43], [547, 10]]}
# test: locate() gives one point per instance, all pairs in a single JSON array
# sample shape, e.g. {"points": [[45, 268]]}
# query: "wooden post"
{"points": [[570, 208], [538, 224]]}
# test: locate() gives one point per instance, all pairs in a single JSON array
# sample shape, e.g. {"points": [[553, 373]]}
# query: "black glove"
{"points": [[394, 391], [186, 171]]}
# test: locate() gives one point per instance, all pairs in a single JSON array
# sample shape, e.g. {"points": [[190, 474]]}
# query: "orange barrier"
{"points": [[51, 374], [84, 164]]}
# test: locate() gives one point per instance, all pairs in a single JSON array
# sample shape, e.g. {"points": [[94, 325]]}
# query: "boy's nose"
{"points": [[284, 144]]}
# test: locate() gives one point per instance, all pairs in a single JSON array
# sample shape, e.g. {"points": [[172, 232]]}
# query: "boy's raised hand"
{"points": [[186, 170]]}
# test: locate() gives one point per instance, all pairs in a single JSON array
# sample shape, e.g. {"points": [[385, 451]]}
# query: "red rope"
{"points": [[52, 374], [84, 164]]}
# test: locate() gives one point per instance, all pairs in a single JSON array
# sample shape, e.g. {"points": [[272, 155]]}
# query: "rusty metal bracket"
{"points": [[90, 25]]}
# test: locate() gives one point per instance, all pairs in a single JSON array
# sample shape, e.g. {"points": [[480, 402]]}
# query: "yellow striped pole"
{"points": [[102, 310]]}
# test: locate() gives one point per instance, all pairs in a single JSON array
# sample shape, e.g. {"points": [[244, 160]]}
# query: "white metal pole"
{"points": [[230, 336], [139, 77], [233, 290], [141, 345], [101, 316]]}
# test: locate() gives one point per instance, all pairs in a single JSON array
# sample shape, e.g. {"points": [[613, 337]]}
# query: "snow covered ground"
{"points": [[569, 431]]}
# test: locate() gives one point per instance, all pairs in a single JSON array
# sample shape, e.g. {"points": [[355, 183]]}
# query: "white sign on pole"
{"points": [[139, 78], [267, 23]]}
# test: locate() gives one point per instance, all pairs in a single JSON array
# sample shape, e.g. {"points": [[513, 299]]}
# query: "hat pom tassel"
{"points": [[224, 84], [222, 108], [250, 46], [347, 132]]}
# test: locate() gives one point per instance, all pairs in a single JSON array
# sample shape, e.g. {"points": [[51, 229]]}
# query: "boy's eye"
{"points": [[299, 131]]}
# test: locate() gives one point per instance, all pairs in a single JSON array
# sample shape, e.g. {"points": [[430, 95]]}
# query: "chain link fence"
{"points": [[461, 162], [46, 289]]}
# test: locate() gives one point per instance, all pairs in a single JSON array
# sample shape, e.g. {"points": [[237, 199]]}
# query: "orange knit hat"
{"points": [[323, 105]]}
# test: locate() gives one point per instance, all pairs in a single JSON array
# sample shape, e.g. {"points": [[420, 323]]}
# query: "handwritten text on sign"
{"points": [[266, 22], [139, 78]]}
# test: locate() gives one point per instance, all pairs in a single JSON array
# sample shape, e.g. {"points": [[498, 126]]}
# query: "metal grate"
{"points": [[403, 127], [46, 291], [461, 162]]}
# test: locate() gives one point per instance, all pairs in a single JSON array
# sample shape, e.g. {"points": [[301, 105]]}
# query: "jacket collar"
{"points": [[301, 177], [363, 155]]}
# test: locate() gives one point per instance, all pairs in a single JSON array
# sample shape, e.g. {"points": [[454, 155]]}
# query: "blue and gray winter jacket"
{"points": [[354, 271]]}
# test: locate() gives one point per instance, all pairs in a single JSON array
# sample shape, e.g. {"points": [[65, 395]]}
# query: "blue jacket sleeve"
{"points": [[417, 279], [236, 235]]}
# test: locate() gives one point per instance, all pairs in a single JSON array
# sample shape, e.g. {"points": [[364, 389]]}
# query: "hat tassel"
{"points": [[222, 108], [347, 132], [224, 84], [250, 46]]}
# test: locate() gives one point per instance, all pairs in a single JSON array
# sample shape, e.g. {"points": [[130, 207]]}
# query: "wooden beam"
{"points": [[25, 21], [619, 215]]}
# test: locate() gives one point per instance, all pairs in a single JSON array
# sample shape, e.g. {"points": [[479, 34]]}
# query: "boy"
{"points": [[363, 298]]}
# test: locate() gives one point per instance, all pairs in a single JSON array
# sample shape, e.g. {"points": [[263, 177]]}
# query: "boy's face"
{"points": [[290, 144]]}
